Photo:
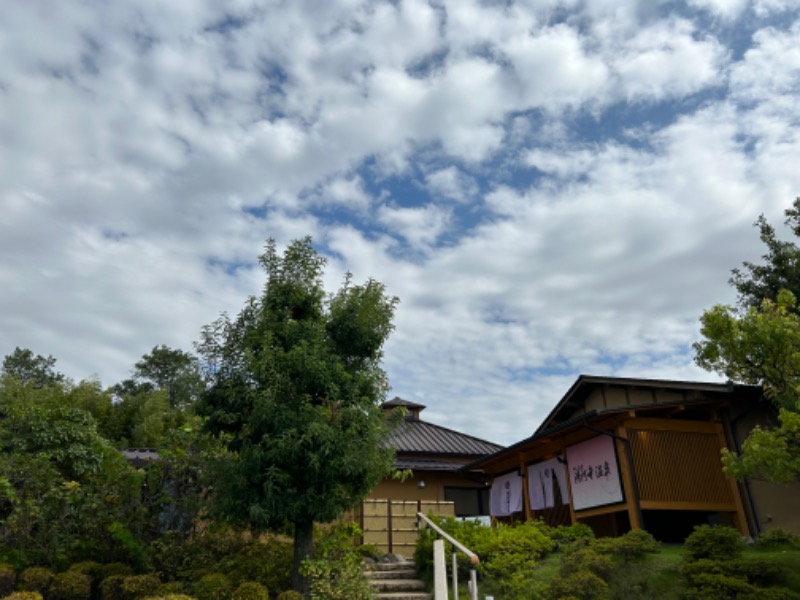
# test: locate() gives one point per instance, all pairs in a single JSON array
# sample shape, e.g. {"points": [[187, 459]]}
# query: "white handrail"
{"points": [[439, 564]]}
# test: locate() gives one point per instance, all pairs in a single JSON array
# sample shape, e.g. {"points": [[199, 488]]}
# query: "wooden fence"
{"points": [[391, 525]]}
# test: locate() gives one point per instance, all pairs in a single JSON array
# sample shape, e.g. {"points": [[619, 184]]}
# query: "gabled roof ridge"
{"points": [[584, 380]]}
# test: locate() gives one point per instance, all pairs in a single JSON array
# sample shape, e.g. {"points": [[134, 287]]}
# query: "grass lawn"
{"points": [[657, 576]]}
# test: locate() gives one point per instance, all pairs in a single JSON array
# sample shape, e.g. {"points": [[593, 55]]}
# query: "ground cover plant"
{"points": [[713, 563]]}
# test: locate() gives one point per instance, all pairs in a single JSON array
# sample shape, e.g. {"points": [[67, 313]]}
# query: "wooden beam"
{"points": [[626, 470], [698, 506], [572, 519], [740, 520], [526, 501], [652, 424], [601, 510]]}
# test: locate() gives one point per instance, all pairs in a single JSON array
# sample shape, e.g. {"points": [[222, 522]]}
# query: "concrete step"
{"points": [[404, 574], [392, 566], [405, 596], [396, 581], [397, 585]]}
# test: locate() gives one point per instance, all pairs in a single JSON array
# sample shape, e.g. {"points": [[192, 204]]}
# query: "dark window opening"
{"points": [[469, 502]]}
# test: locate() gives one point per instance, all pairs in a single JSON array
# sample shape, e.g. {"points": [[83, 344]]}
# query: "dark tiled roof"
{"points": [[420, 437], [139, 457]]}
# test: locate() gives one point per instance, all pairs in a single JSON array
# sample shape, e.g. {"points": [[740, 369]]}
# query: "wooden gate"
{"points": [[391, 525]]}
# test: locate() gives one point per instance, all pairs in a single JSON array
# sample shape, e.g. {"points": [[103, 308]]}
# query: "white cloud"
{"points": [[147, 151], [451, 183], [727, 10], [419, 226], [668, 59]]}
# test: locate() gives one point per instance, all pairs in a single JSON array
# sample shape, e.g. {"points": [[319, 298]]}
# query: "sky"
{"points": [[549, 187]]}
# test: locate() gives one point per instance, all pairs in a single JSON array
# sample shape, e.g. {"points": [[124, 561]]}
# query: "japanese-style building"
{"points": [[618, 453], [433, 458]]}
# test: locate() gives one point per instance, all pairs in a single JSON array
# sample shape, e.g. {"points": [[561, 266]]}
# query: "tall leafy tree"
{"points": [[781, 267], [296, 384], [163, 368], [35, 370], [759, 343], [761, 346]]}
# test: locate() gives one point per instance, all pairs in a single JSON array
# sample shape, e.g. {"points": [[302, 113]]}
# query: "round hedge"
{"points": [[8, 579], [24, 596], [35, 579], [136, 586], [70, 585], [214, 586], [250, 590]]}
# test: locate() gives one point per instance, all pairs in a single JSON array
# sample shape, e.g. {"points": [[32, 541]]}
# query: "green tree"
{"points": [[46, 423], [296, 382], [781, 269], [759, 343], [174, 371], [35, 370], [760, 346], [65, 494]]}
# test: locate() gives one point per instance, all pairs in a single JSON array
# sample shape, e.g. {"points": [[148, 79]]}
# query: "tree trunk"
{"points": [[303, 550]]}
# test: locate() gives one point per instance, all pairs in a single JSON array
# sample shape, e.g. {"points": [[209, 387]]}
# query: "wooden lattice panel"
{"points": [[680, 468], [391, 525]]}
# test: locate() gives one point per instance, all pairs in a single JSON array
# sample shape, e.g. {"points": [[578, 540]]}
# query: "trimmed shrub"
{"points": [[8, 579], [91, 568], [753, 571], [24, 596], [713, 586], [586, 559], [35, 579], [171, 587], [111, 587], [776, 538], [114, 569], [70, 585], [583, 585], [634, 544], [690, 570], [222, 549], [95, 572], [214, 586], [250, 590], [714, 542], [760, 571], [136, 586], [170, 597], [290, 595], [563, 535]]}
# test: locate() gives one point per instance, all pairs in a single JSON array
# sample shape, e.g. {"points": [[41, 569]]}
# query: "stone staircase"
{"points": [[396, 581]]}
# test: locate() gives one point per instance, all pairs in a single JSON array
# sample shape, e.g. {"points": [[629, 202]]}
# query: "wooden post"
{"points": [[526, 501], [572, 518], [389, 523], [739, 520], [626, 472], [361, 521]]}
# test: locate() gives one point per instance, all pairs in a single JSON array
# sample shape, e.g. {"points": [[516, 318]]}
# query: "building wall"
{"points": [[435, 483], [775, 505]]}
